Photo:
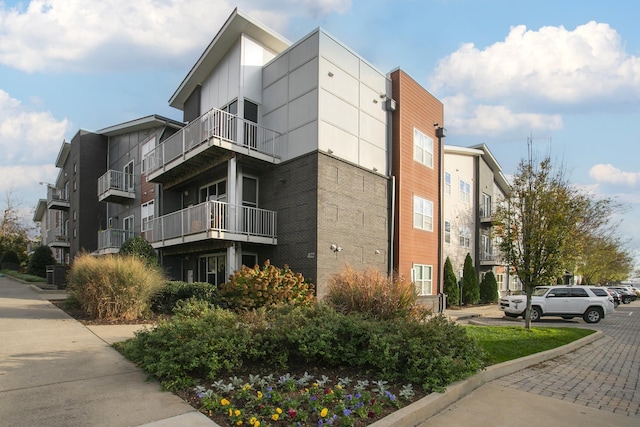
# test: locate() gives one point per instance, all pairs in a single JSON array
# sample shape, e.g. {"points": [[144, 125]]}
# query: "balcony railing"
{"points": [[227, 130], [487, 213], [116, 186], [213, 220], [112, 239], [490, 258], [58, 238], [57, 198]]}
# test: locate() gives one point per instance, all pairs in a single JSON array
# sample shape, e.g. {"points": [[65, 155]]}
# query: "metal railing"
{"points": [[56, 195], [213, 124], [115, 180], [113, 238], [212, 216], [490, 256]]}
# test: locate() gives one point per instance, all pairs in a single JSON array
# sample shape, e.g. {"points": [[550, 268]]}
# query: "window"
{"points": [[212, 268], [447, 232], [145, 149], [485, 206], [422, 213], [128, 225], [422, 278], [249, 191], [146, 214], [485, 243], [500, 280], [128, 176], [465, 237], [249, 259], [447, 183], [465, 191], [216, 191], [422, 148]]}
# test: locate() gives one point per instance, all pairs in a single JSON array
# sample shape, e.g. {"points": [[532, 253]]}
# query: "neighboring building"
{"points": [[129, 199], [473, 186]]}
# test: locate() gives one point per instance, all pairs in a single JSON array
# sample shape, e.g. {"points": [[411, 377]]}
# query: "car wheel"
{"points": [[536, 314], [626, 300], [592, 315]]}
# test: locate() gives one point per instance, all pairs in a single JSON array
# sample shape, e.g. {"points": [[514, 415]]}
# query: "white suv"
{"points": [[590, 303]]}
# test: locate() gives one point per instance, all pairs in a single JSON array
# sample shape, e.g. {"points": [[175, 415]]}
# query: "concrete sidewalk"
{"points": [[54, 371]]}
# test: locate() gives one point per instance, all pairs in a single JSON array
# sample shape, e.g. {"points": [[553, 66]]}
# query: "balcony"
{"points": [[58, 239], [490, 258], [110, 241], [206, 141], [487, 213], [57, 198], [213, 220], [116, 187]]}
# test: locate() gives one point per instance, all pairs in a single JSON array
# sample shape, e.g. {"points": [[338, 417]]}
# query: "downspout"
{"points": [[440, 133]]}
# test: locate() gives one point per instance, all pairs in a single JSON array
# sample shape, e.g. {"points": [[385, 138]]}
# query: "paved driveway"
{"points": [[594, 385]]}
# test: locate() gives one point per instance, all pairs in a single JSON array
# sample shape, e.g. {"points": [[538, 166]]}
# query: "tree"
{"points": [[489, 288], [604, 260], [544, 225], [451, 284], [139, 248], [39, 260], [470, 289], [14, 234]]}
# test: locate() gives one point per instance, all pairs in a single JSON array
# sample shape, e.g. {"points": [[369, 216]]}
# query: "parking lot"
{"points": [[596, 384]]}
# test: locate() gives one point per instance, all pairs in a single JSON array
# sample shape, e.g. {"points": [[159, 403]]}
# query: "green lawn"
{"points": [[502, 343]]}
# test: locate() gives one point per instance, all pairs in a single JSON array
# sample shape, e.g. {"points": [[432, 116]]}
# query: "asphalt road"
{"points": [[596, 385]]}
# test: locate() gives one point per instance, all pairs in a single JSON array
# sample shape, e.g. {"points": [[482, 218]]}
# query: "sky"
{"points": [[562, 74]]}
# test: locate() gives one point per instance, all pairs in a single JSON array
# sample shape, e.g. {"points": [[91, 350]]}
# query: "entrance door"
{"points": [[211, 269]]}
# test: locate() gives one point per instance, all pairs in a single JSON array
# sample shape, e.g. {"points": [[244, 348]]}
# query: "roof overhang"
{"points": [[236, 25], [142, 123], [63, 154], [41, 208]]}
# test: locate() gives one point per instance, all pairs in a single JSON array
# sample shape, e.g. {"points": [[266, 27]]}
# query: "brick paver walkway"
{"points": [[602, 375]]}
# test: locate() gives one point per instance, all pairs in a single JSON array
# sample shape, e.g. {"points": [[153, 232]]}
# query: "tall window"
{"points": [[211, 269], [465, 191], [249, 191], [485, 241], [465, 237], [447, 232], [128, 176], [447, 183], [146, 149], [422, 278], [422, 213], [146, 214], [128, 227], [485, 205], [422, 148]]}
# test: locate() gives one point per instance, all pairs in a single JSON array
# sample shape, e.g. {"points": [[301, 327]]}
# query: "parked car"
{"points": [[626, 294], [615, 295], [590, 303]]}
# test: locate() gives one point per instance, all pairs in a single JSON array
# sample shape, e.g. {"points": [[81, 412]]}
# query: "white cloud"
{"points": [[609, 174], [466, 118], [79, 35], [552, 65], [28, 137]]}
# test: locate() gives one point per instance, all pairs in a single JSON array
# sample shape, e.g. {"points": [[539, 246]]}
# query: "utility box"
{"points": [[57, 276]]}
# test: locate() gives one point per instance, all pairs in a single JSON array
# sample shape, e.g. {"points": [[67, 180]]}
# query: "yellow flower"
{"points": [[324, 412], [224, 402], [253, 420], [256, 424], [239, 423], [230, 412], [275, 417], [259, 394], [339, 387], [278, 410], [236, 412]]}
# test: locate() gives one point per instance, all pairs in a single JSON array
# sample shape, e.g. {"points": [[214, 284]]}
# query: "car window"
{"points": [[599, 292], [558, 293], [579, 292], [538, 292]]}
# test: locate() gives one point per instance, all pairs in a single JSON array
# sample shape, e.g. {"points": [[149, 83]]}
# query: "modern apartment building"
{"points": [[299, 153], [71, 214], [473, 185]]}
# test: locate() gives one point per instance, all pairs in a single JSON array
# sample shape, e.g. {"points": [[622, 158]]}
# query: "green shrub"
{"points": [[114, 287], [268, 286], [489, 289], [175, 291], [25, 277], [41, 257], [201, 341], [139, 248], [451, 284], [470, 288], [373, 293], [10, 257]]}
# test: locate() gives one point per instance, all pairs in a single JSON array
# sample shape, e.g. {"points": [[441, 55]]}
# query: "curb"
{"points": [[418, 412]]}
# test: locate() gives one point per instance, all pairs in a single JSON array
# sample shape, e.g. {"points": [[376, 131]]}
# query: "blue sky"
{"points": [[564, 73]]}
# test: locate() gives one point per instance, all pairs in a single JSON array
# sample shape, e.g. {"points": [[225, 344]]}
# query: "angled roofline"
{"points": [[502, 181], [65, 149], [466, 151], [237, 24], [146, 122], [40, 210]]}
